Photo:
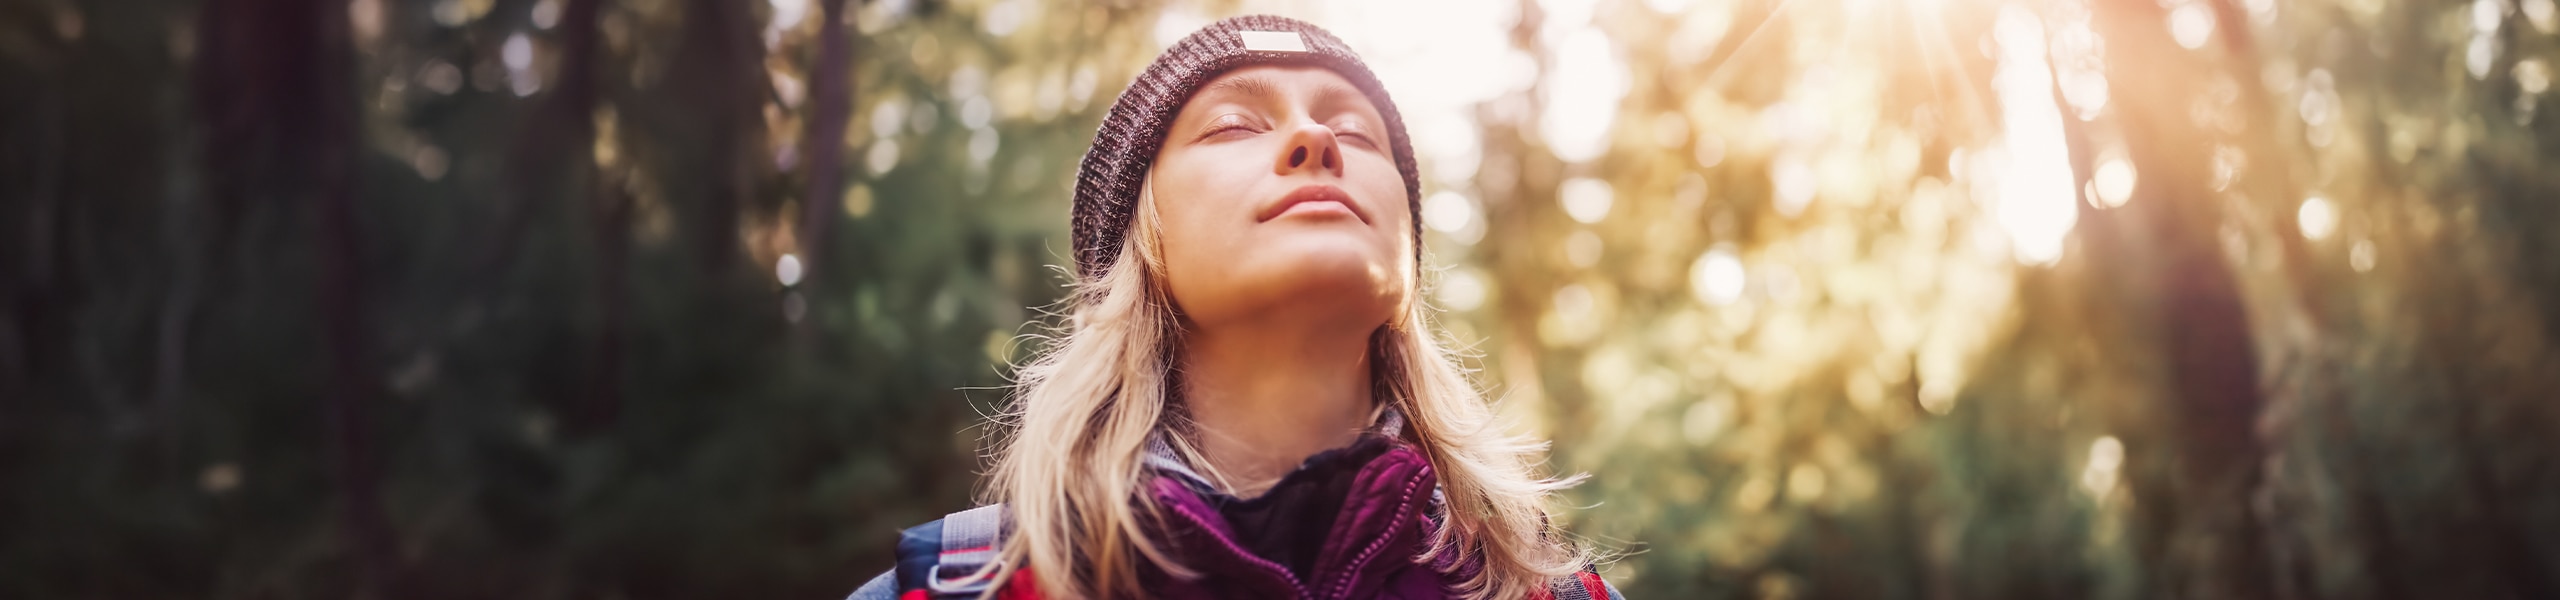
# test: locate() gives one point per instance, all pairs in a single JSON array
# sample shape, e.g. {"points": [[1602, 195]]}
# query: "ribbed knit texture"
{"points": [[1115, 168]]}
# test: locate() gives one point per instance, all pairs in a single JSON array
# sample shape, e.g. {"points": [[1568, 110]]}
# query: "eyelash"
{"points": [[1355, 133], [1222, 126], [1226, 125]]}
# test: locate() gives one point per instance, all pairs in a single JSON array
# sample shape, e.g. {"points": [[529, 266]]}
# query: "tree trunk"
{"points": [[572, 107], [2170, 230], [830, 107], [284, 111], [611, 210], [558, 133], [717, 70]]}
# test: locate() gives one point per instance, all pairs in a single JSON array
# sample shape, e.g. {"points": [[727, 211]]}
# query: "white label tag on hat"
{"points": [[1273, 41]]}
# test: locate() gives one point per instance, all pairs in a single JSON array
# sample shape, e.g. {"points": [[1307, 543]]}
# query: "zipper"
{"points": [[1350, 571], [1395, 528], [1269, 568]]}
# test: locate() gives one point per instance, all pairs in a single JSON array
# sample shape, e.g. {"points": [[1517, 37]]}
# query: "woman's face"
{"points": [[1281, 204]]}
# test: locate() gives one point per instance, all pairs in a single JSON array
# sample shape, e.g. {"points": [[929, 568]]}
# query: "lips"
{"points": [[1308, 194]]}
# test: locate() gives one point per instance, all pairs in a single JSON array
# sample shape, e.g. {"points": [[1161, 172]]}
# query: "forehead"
{"points": [[1264, 83]]}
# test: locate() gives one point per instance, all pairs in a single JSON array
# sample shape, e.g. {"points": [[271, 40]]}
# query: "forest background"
{"points": [[1834, 298]]}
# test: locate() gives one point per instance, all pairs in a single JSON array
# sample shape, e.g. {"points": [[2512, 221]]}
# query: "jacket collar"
{"points": [[1162, 459], [1384, 522]]}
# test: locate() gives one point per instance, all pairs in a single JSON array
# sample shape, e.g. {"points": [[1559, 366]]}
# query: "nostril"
{"points": [[1328, 158], [1298, 156]]}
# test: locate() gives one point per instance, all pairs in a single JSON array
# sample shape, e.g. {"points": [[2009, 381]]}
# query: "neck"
{"points": [[1263, 401]]}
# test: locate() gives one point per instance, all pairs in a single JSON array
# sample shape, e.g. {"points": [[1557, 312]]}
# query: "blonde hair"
{"points": [[1073, 477]]}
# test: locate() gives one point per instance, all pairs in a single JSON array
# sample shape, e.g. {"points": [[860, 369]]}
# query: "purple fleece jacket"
{"points": [[1368, 550], [1348, 523]]}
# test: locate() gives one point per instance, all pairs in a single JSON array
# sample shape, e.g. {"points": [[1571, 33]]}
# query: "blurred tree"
{"points": [[1846, 298], [553, 314]]}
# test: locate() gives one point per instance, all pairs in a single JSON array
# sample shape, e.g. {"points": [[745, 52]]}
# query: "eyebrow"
{"points": [[1246, 86], [1328, 95]]}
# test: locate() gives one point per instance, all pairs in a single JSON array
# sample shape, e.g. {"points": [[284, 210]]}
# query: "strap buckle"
{"points": [[968, 584]]}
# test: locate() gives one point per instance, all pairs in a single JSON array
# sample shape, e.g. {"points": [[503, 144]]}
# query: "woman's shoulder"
{"points": [[943, 554]]}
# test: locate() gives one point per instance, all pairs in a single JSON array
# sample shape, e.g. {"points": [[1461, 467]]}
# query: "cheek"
{"points": [[1393, 222], [1196, 232], [1394, 209]]}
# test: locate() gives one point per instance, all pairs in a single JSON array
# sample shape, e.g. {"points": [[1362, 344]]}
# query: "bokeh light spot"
{"points": [[1717, 277], [2318, 218], [1447, 212], [2191, 24], [1585, 199], [1461, 290], [787, 270], [1582, 97], [2114, 182], [2106, 458]]}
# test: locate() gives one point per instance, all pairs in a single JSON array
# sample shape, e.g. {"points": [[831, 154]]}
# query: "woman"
{"points": [[1247, 400]]}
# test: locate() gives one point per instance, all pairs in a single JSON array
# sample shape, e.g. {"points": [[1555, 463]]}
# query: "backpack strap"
{"points": [[883, 587], [1160, 456], [1568, 587], [1581, 585], [970, 541]]}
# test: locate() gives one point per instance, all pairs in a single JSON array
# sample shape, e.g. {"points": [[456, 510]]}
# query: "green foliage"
{"points": [[611, 335]]}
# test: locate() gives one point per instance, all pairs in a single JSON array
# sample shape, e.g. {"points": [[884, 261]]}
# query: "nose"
{"points": [[1310, 147]]}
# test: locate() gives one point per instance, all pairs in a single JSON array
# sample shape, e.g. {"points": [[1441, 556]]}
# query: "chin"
{"points": [[1321, 282], [1336, 263]]}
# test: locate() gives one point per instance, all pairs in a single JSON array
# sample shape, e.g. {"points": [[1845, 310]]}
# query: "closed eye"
{"points": [[1223, 124], [1356, 134]]}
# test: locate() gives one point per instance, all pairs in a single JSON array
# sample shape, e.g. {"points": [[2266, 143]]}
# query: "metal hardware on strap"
{"points": [[968, 546], [1568, 587]]}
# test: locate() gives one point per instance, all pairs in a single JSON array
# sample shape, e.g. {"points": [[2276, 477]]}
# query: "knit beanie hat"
{"points": [[1115, 168]]}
